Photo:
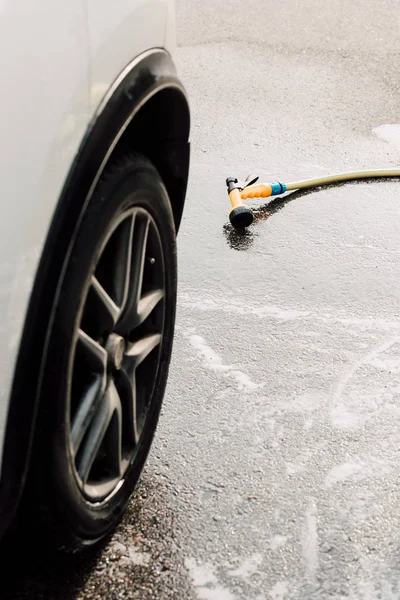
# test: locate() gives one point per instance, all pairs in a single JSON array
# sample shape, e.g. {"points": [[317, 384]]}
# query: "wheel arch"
{"points": [[159, 130], [146, 110]]}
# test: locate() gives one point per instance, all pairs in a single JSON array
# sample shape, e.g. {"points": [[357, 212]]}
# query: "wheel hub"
{"points": [[115, 349]]}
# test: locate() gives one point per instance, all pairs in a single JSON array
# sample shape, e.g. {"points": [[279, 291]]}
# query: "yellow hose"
{"points": [[307, 183]]}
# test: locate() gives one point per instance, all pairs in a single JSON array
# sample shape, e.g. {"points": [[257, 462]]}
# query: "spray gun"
{"points": [[242, 216]]}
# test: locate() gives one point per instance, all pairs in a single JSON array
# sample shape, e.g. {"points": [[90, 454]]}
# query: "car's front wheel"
{"points": [[107, 359]]}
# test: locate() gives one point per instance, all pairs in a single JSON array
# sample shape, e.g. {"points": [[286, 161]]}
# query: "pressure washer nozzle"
{"points": [[241, 216]]}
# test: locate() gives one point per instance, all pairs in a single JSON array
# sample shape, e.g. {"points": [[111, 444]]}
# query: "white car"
{"points": [[94, 159]]}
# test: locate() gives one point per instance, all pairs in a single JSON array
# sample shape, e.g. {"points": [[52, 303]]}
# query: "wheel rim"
{"points": [[116, 354]]}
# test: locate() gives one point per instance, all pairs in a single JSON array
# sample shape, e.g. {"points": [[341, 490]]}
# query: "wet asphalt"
{"points": [[275, 469]]}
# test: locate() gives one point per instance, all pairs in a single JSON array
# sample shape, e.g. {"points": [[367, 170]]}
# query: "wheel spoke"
{"points": [[129, 317], [123, 259], [107, 306], [128, 381], [109, 413], [86, 411], [147, 304], [96, 355], [140, 349]]}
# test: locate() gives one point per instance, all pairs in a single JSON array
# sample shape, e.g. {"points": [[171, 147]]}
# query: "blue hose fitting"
{"points": [[277, 188]]}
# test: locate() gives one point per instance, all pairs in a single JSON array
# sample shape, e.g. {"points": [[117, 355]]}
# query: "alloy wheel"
{"points": [[116, 354]]}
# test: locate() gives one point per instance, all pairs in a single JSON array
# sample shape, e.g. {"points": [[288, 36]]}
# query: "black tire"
{"points": [[81, 501]]}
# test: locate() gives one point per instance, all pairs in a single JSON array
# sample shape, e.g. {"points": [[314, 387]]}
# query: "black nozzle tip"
{"points": [[241, 217]]}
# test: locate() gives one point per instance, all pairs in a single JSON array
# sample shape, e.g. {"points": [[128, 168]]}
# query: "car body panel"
{"points": [[116, 38], [44, 67]]}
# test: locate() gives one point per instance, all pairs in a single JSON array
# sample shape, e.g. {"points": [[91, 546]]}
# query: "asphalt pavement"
{"points": [[275, 469]]}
